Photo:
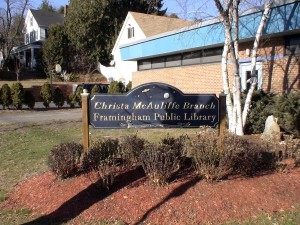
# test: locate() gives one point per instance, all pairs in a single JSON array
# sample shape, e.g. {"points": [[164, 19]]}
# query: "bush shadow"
{"points": [[86, 198]]}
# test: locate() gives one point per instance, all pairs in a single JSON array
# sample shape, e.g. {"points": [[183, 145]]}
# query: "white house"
{"points": [[137, 26], [35, 31]]}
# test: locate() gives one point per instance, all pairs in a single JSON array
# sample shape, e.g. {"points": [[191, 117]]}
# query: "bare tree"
{"points": [[11, 22], [229, 13]]}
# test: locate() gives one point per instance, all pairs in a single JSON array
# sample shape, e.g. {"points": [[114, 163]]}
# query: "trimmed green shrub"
{"points": [[64, 159], [58, 97], [131, 148], [78, 93], [287, 110], [101, 161], [129, 86], [72, 100], [95, 90], [116, 87], [17, 95], [6, 98], [29, 99], [262, 105], [161, 160], [46, 94]]}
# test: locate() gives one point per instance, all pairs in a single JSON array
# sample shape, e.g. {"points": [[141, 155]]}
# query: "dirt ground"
{"points": [[187, 200]]}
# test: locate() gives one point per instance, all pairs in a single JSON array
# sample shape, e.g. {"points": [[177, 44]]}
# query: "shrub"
{"points": [[161, 160], [95, 89], [261, 107], [17, 95], [64, 159], [131, 148], [29, 100], [101, 161], [116, 87], [287, 110], [239, 156], [6, 98], [46, 94], [78, 93], [247, 158], [58, 97], [207, 157], [72, 100], [129, 86]]}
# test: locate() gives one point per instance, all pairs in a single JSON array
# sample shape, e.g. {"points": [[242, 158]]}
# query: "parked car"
{"points": [[89, 86]]}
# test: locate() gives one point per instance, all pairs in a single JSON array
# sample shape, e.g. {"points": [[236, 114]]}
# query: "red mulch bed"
{"points": [[134, 200]]}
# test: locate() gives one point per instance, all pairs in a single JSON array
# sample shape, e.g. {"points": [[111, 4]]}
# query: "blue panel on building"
{"points": [[282, 18]]}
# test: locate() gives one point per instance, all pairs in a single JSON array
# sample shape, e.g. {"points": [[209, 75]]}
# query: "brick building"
{"points": [[190, 58]]}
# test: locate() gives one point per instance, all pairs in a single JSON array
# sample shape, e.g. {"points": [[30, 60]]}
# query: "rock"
{"points": [[272, 130]]}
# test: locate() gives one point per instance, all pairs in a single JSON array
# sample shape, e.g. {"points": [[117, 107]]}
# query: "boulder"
{"points": [[272, 130]]}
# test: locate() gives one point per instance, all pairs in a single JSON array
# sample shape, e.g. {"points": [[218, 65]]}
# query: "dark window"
{"points": [[191, 58], [158, 63], [144, 64], [212, 55], [173, 60], [130, 32], [292, 46]]}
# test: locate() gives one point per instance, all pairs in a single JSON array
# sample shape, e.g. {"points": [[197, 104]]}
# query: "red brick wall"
{"points": [[279, 75]]}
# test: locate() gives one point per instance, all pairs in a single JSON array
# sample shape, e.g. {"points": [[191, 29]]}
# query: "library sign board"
{"points": [[153, 105]]}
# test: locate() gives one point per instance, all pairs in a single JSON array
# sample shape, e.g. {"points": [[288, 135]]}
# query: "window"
{"points": [[144, 65], [173, 60], [245, 73], [212, 55], [130, 32], [158, 63], [31, 21], [43, 34], [292, 45], [191, 58]]}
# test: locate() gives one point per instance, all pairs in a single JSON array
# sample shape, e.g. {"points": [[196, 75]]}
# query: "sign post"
{"points": [[85, 120]]}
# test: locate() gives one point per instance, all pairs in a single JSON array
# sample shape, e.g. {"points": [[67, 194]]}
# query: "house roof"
{"points": [[153, 25], [45, 19]]}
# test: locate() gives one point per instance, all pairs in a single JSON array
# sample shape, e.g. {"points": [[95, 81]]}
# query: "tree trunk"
{"points": [[253, 62]]}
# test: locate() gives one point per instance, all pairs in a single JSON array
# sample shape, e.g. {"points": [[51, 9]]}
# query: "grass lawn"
{"points": [[24, 149]]}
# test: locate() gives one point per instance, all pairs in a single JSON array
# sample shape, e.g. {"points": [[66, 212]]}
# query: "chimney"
{"points": [[65, 10]]}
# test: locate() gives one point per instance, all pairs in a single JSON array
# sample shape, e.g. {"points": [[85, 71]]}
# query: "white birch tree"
{"points": [[229, 14]]}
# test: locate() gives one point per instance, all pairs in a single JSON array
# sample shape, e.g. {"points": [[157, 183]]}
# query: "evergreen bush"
{"points": [[95, 90], [6, 97], [261, 107], [58, 97], [72, 100], [17, 94], [29, 99], [64, 159], [116, 87], [129, 86], [287, 110], [78, 93], [46, 94]]}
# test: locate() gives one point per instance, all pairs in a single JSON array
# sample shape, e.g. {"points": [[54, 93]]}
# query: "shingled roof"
{"points": [[45, 19], [153, 25]]}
